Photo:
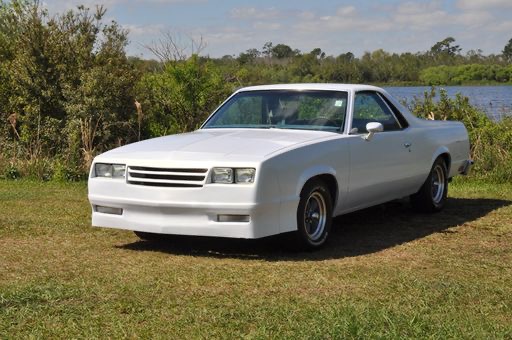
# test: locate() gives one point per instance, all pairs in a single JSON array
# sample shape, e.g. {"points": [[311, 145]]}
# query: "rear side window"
{"points": [[403, 122], [370, 107]]}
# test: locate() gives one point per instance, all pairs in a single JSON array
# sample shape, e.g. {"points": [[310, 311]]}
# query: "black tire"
{"points": [[314, 216], [432, 195], [151, 236]]}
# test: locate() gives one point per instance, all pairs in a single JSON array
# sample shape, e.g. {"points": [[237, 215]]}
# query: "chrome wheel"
{"points": [[315, 216], [438, 184], [432, 195]]}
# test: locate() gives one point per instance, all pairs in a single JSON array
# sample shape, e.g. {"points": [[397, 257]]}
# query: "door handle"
{"points": [[407, 145]]}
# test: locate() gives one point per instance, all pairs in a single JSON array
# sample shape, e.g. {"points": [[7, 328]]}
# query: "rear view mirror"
{"points": [[372, 128]]}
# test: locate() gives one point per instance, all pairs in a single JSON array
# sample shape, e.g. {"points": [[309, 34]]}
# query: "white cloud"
{"points": [[254, 13], [306, 15], [267, 26], [473, 18], [483, 4], [344, 11], [505, 26], [419, 16], [346, 19], [410, 7], [227, 36], [144, 30], [60, 6]]}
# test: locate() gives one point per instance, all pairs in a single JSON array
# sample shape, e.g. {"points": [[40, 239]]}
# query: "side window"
{"points": [[369, 107], [403, 122]]}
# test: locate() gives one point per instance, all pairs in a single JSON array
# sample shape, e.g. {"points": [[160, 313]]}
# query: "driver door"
{"points": [[378, 167]]}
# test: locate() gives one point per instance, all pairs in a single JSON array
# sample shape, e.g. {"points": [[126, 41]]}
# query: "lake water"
{"points": [[496, 101]]}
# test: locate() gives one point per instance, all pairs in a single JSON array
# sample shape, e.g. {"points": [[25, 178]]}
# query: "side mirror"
{"points": [[372, 128]]}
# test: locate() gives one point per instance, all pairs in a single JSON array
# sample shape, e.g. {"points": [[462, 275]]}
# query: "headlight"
{"points": [[230, 175], [118, 170], [109, 170], [103, 170], [222, 175], [244, 175]]}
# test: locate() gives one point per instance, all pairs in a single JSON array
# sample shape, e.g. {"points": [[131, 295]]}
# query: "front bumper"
{"points": [[189, 211]]}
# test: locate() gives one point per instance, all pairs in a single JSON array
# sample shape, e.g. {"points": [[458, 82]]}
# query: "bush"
{"points": [[67, 172], [179, 98], [43, 169], [465, 74], [11, 172]]}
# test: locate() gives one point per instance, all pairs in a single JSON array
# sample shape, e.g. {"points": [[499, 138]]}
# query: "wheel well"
{"points": [[447, 160], [332, 185]]}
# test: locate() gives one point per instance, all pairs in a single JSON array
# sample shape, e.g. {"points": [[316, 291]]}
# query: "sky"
{"points": [[231, 27]]}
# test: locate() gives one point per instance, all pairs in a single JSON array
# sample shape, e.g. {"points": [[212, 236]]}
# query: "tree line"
{"points": [[68, 91], [281, 63]]}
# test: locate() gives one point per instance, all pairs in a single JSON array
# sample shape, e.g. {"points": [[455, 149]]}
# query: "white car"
{"points": [[277, 159]]}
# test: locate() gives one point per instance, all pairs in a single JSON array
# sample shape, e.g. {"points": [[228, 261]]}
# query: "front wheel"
{"points": [[314, 215], [432, 195]]}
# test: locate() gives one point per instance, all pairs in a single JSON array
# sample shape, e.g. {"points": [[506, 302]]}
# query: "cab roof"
{"points": [[313, 86]]}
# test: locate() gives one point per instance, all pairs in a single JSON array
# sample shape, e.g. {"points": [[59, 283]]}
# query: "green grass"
{"points": [[387, 273]]}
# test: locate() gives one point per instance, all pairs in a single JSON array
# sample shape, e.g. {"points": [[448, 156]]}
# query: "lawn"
{"points": [[387, 273]]}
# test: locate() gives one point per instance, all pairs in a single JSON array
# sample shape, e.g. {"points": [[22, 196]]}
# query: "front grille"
{"points": [[167, 177]]}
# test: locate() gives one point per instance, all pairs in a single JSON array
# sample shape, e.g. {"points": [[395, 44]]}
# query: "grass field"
{"points": [[387, 273]]}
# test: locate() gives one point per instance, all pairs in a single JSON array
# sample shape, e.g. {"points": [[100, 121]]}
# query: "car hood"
{"points": [[216, 144]]}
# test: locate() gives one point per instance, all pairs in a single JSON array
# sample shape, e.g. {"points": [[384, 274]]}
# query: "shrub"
{"points": [[67, 172], [11, 172]]}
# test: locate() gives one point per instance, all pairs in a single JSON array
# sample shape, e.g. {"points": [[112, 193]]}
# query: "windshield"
{"points": [[285, 109]]}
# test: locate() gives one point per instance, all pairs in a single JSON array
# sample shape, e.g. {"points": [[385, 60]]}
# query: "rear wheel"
{"points": [[432, 195], [314, 215]]}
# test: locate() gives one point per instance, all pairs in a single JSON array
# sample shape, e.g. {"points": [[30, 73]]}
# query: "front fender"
{"points": [[311, 172], [294, 168], [290, 201]]}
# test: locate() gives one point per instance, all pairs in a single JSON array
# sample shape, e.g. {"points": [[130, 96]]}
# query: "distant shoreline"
{"points": [[419, 84]]}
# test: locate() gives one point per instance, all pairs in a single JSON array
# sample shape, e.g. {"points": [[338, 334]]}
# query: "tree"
{"points": [[475, 56], [282, 51], [249, 56], [507, 51], [445, 47], [71, 82], [172, 46], [346, 57], [34, 78], [180, 98], [444, 52], [266, 51], [317, 52], [101, 106], [303, 67]]}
